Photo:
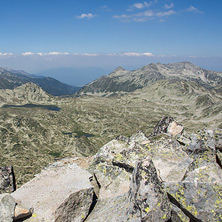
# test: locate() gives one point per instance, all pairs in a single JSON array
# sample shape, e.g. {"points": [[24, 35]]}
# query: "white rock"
{"points": [[53, 187]]}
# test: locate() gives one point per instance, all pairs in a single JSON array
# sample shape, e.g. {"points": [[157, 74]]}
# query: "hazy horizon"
{"points": [[92, 38]]}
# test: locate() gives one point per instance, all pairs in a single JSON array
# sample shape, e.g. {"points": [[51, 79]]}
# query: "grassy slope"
{"points": [[32, 138]]}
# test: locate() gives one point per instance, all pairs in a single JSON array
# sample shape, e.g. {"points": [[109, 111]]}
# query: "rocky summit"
{"points": [[168, 175]]}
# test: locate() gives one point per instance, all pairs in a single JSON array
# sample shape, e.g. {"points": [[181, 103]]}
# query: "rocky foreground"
{"points": [[168, 176]]}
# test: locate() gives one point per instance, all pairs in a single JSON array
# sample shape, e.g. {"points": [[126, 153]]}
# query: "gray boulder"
{"points": [[7, 207], [113, 180], [167, 155]]}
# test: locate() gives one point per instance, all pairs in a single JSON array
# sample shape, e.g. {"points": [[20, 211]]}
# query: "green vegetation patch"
{"points": [[55, 154]]}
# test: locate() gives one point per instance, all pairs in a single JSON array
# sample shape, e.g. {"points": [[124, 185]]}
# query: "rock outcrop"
{"points": [[28, 93], [7, 179], [164, 177], [62, 192], [167, 125]]}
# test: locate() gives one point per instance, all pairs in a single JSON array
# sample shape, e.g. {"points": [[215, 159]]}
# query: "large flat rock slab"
{"points": [[53, 189]]}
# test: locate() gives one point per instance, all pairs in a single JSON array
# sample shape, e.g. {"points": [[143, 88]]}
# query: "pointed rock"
{"points": [[21, 212], [119, 68], [167, 125]]}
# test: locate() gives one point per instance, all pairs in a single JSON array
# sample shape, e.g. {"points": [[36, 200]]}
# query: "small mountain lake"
{"points": [[48, 107], [79, 134]]}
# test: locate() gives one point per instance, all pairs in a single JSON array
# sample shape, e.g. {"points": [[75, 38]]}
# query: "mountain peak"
{"points": [[119, 68]]}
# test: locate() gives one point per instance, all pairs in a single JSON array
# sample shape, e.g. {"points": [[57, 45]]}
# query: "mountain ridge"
{"points": [[10, 79], [121, 81]]}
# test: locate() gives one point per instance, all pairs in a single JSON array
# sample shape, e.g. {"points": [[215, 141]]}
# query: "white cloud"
{"points": [[147, 54], [6, 54], [144, 16], [82, 16], [55, 53], [27, 53], [139, 5], [148, 13], [44, 53], [193, 9], [40, 54], [167, 13], [166, 6], [85, 54], [135, 54], [146, 4], [123, 16]]}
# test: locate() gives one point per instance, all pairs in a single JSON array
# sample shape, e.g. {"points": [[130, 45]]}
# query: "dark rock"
{"points": [[218, 139], [123, 138], [22, 213], [148, 199], [167, 125], [175, 215], [7, 179], [75, 207]]}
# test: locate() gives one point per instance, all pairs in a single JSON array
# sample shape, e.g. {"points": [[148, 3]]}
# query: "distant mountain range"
{"points": [[10, 79], [121, 81]]}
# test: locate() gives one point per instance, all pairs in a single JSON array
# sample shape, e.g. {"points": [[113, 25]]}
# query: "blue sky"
{"points": [[41, 35]]}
